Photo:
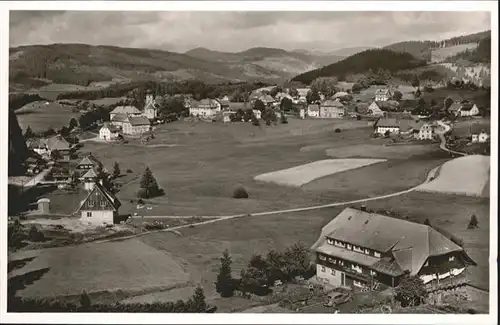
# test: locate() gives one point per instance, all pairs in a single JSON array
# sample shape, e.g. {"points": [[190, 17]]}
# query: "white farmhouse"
{"points": [[100, 206], [108, 132]]}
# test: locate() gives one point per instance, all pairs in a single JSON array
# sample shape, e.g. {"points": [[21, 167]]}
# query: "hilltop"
{"points": [[373, 59]]}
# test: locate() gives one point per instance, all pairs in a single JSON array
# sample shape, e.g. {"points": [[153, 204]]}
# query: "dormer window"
{"points": [[91, 203], [376, 254], [451, 258]]}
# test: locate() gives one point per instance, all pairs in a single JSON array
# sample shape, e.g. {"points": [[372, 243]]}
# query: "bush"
{"points": [[337, 130], [35, 235], [129, 171], [142, 193], [140, 201], [473, 223], [240, 193]]}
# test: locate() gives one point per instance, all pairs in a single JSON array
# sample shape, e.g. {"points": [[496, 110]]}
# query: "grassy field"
{"points": [[209, 160], [303, 174], [201, 247], [41, 117], [439, 54], [467, 175], [130, 266]]}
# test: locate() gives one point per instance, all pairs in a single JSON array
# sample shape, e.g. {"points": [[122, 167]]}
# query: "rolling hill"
{"points": [[81, 64], [284, 63], [373, 59]]}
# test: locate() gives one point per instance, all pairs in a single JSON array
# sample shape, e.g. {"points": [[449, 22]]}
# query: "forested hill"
{"points": [[481, 54], [373, 59], [423, 49]]}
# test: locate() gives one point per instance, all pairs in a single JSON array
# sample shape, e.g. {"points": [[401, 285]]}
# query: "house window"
{"points": [[367, 251], [349, 246], [333, 271], [377, 254], [373, 273], [451, 258], [357, 268], [91, 203], [329, 241], [89, 214], [341, 262], [322, 257], [103, 204], [323, 269]]}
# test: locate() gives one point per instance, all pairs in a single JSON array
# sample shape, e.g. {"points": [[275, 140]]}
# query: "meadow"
{"points": [[453, 180], [40, 117], [199, 175]]}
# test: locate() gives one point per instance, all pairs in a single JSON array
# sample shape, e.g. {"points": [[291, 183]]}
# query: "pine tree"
{"points": [[149, 186], [473, 223], [427, 222], [85, 302], [197, 303], [116, 170], [28, 134], [224, 284]]}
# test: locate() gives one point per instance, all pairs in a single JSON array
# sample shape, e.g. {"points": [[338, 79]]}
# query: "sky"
{"points": [[234, 31]]}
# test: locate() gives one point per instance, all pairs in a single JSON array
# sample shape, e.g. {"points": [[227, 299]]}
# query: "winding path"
{"points": [[441, 134], [266, 213]]}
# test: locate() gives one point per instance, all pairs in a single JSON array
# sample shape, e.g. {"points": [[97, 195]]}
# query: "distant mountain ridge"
{"points": [[82, 64]]}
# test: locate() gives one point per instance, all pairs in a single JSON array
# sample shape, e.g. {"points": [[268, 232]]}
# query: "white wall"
{"points": [[325, 273], [97, 217]]}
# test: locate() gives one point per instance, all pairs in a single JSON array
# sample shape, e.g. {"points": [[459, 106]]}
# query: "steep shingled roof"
{"points": [[125, 110], [99, 191], [138, 120], [409, 243]]}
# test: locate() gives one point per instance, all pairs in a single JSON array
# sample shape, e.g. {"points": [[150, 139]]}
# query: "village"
{"points": [[85, 191]]}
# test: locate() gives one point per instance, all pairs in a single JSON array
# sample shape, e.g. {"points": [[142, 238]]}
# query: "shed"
{"points": [[43, 206]]}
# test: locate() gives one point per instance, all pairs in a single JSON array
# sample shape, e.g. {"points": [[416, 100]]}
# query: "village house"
{"points": [[331, 109], [226, 116], [313, 110], [100, 206], [375, 110], [136, 125], [206, 108], [109, 132], [361, 249], [425, 132], [382, 94], [468, 109], [479, 134], [384, 125], [89, 179], [150, 107], [455, 108], [120, 113], [45, 147], [268, 100], [257, 113], [302, 97]]}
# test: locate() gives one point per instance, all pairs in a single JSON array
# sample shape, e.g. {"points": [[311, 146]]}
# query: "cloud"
{"points": [[236, 31]]}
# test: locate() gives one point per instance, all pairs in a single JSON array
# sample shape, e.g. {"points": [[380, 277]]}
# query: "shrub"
{"points": [[129, 171], [35, 235], [427, 222], [411, 291], [140, 201], [473, 223], [240, 193], [142, 193], [337, 130], [85, 302], [224, 284]]}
